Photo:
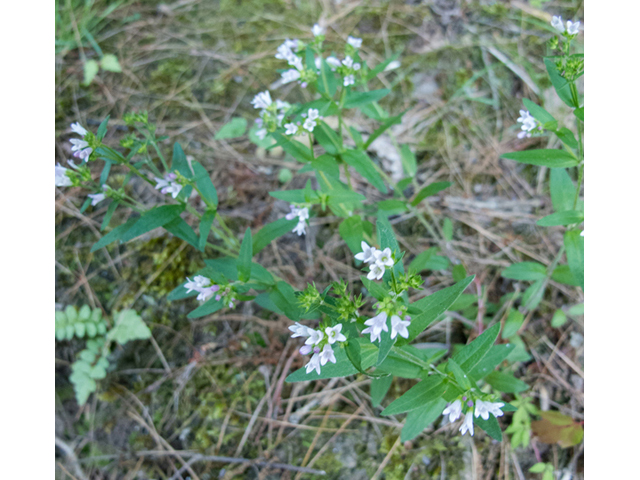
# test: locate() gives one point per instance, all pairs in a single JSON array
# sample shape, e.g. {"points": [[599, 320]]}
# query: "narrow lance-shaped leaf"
{"points": [[574, 245], [244, 258], [551, 158], [418, 396]]}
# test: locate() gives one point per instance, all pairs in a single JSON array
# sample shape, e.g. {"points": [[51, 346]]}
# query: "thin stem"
{"points": [[311, 146]]}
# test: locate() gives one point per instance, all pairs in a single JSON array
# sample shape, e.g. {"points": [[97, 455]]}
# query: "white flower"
{"points": [[168, 185], [349, 80], [467, 425], [262, 100], [354, 42], [376, 272], [261, 133], [300, 228], [313, 114], [284, 50], [290, 75], [294, 212], [356, 67], [206, 292], [62, 180], [376, 325], [299, 330], [399, 327], [292, 129], [77, 128], [528, 123], [483, 409], [556, 22], [582, 233], [348, 62], [305, 349], [96, 198], [384, 258], [392, 65], [333, 62], [198, 283], [572, 28], [315, 336], [454, 411], [327, 355], [303, 213], [367, 254], [78, 144], [296, 61], [309, 125], [314, 363], [334, 335], [317, 30]]}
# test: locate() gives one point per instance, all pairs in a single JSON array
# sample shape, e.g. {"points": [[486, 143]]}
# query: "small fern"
{"points": [[70, 323]]}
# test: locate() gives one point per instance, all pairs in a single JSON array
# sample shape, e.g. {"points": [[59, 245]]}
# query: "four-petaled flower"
{"points": [[483, 409], [168, 184], [454, 410], [315, 337], [79, 129], [262, 100], [376, 326], [383, 257], [334, 335], [399, 327], [354, 42], [376, 272], [467, 425], [314, 363], [299, 330], [327, 355], [349, 80], [367, 254], [556, 22], [573, 28]]}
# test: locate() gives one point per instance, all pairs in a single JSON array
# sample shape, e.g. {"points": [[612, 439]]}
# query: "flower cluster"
{"points": [[482, 409], [379, 260], [319, 342], [303, 215], [378, 324], [169, 184], [571, 28], [206, 288], [81, 148], [62, 177], [309, 124], [528, 124], [271, 113], [288, 51]]}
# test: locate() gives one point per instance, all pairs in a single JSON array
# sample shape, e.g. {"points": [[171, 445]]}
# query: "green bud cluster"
{"points": [[310, 297], [131, 118]]}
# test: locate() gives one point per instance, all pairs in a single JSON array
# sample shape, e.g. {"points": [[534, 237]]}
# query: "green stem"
{"points": [[311, 146]]}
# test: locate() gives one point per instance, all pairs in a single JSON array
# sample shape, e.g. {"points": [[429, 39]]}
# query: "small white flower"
{"points": [[293, 213], [573, 28], [368, 253], [78, 144], [262, 100], [467, 425], [295, 61], [313, 114], [376, 325], [300, 228], [314, 363], [291, 44], [284, 50], [318, 62], [454, 411], [96, 198], [290, 75], [292, 129], [582, 233], [327, 355], [384, 258], [399, 327], [168, 185], [483, 409], [333, 63], [299, 330], [334, 335], [303, 213], [348, 62], [315, 337], [349, 80], [376, 272], [317, 30], [309, 124], [354, 42], [356, 67], [261, 133], [556, 22], [62, 180], [392, 65], [305, 349], [79, 129]]}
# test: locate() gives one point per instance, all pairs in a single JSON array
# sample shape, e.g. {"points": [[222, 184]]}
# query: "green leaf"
{"points": [[552, 158], [207, 308], [505, 382], [532, 296], [577, 310], [420, 418], [525, 271], [381, 66], [470, 355], [579, 113], [365, 167], [83, 384], [205, 185], [428, 260], [392, 207], [447, 229], [295, 196], [110, 63], [327, 82], [102, 130], [494, 357], [459, 375], [327, 164], [512, 324], [271, 231], [490, 426], [459, 272], [154, 218], [91, 68], [206, 222], [562, 274], [358, 99], [559, 319], [244, 258], [417, 396], [563, 191], [385, 344], [435, 305], [565, 217], [114, 234], [284, 297], [408, 159], [351, 231], [234, 129], [574, 245], [429, 190], [379, 388], [294, 148], [386, 123], [538, 467], [128, 325], [540, 114], [561, 85], [566, 136], [327, 138]]}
